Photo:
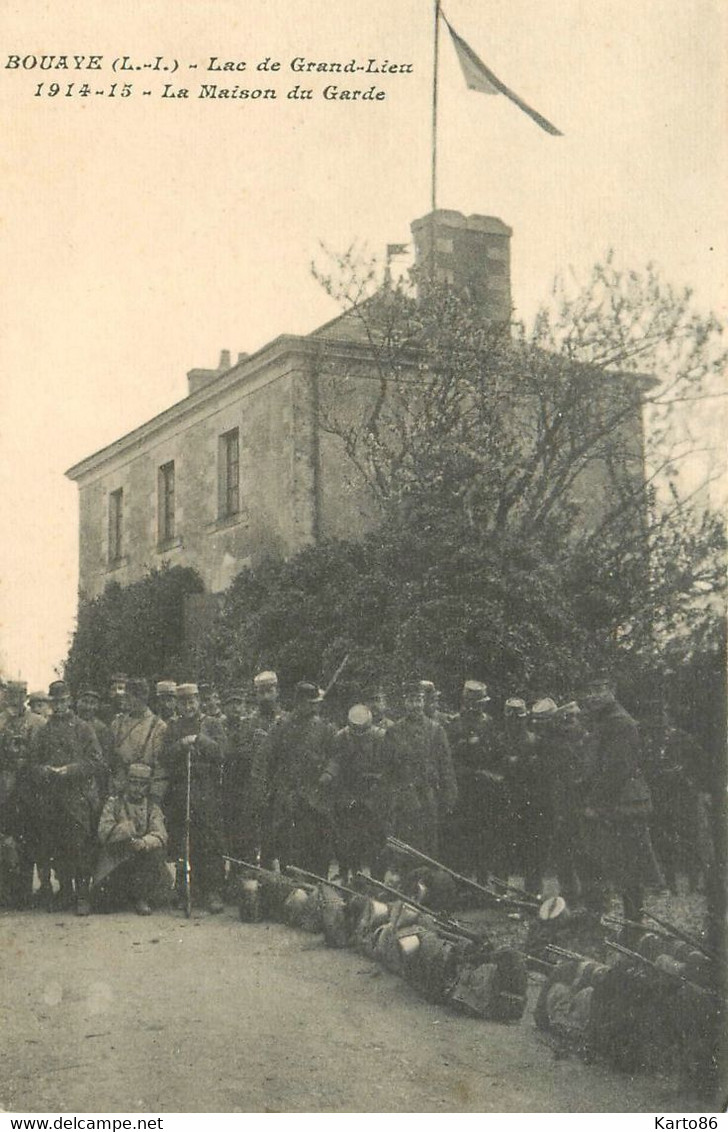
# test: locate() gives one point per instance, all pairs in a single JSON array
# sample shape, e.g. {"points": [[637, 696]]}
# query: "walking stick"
{"points": [[188, 886]]}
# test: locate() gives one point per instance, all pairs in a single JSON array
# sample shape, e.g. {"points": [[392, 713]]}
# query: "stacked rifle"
{"points": [[443, 959], [655, 1008]]}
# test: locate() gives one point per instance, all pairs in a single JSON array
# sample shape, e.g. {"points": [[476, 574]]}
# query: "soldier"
{"points": [[674, 767], [133, 835], [66, 764], [295, 754], [527, 820], [474, 833], [244, 774], [88, 704], [380, 711], [432, 703], [166, 700], [17, 825], [116, 700], [202, 739], [616, 846], [137, 736], [40, 704], [354, 778], [566, 767], [419, 777]]}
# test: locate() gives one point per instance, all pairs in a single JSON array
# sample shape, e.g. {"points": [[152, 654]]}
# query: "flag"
{"points": [[481, 78], [396, 249]]}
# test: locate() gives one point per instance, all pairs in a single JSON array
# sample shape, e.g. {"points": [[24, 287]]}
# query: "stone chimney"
{"points": [[470, 253], [196, 378]]}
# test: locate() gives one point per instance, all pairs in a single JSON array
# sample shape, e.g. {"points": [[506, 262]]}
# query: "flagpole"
{"points": [[434, 104]]}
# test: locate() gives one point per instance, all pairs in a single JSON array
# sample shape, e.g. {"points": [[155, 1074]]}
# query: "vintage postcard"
{"points": [[362, 580]]}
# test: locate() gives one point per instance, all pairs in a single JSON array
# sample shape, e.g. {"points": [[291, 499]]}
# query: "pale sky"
{"points": [[141, 236]]}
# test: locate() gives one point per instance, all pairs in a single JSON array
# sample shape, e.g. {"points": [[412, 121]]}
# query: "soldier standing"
{"points": [[39, 704], [17, 730], [295, 755], [244, 773], [88, 704], [165, 700], [420, 780], [474, 833], [617, 806], [354, 777], [203, 739], [66, 768], [527, 821], [115, 704], [137, 736], [566, 766]]}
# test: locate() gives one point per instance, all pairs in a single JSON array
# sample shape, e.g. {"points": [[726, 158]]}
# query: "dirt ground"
{"points": [[120, 1013]]}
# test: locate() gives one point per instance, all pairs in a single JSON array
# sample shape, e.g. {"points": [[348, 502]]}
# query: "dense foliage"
{"points": [[137, 629]]}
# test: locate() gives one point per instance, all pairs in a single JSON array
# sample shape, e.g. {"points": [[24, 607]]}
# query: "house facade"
{"points": [[241, 469]]}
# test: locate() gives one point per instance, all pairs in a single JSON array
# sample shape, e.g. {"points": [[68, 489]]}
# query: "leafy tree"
{"points": [[574, 433], [138, 629]]}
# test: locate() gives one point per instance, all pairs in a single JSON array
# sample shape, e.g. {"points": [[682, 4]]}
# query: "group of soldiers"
{"points": [[116, 798]]}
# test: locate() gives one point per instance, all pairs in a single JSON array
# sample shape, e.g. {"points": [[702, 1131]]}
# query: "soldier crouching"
{"points": [[133, 835]]}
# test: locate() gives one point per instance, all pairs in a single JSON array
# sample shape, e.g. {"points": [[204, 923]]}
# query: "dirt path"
{"points": [[118, 1013]]}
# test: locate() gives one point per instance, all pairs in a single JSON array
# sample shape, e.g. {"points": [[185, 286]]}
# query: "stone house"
{"points": [[240, 468]]}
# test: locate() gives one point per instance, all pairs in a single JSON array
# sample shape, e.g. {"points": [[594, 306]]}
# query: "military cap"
{"points": [[543, 709], [265, 679], [567, 710], [165, 688], [38, 698], [413, 687], [475, 690], [139, 771], [118, 678], [515, 706], [16, 687], [427, 687], [360, 717], [90, 693], [306, 692], [58, 689], [137, 686], [186, 690]]}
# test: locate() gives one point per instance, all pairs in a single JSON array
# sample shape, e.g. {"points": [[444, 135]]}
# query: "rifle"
{"points": [[188, 808], [684, 936], [655, 967], [264, 872], [507, 901], [321, 880], [452, 926], [335, 677]]}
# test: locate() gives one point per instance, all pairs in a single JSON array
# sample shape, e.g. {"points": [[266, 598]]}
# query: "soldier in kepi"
{"points": [[472, 832], [66, 767], [616, 848], [295, 755], [133, 836], [165, 701], [137, 736], [196, 741], [528, 833], [244, 772], [420, 781], [18, 828], [354, 777]]}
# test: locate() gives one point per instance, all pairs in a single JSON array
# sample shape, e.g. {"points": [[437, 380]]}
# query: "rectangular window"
{"points": [[229, 474], [116, 518], [165, 503]]}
